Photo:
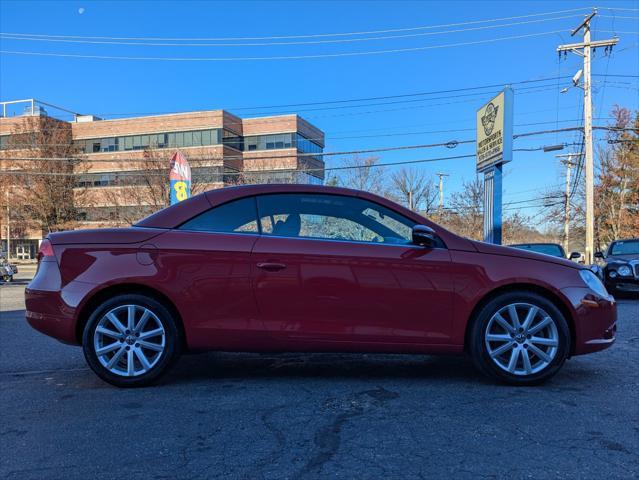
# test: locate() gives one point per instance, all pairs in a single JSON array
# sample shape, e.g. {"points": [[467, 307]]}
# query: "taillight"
{"points": [[46, 250]]}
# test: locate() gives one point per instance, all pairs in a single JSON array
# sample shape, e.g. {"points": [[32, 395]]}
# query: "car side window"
{"points": [[331, 217], [237, 216]]}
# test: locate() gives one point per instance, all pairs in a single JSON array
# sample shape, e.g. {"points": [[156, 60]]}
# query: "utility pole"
{"points": [[410, 200], [583, 49], [441, 190]]}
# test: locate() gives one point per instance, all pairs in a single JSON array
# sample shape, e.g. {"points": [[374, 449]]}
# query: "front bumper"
{"points": [[620, 284], [595, 320]]}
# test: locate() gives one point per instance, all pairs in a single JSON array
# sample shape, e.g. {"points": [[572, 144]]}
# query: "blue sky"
{"points": [[112, 87]]}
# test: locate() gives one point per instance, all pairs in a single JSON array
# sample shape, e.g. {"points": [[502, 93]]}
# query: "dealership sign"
{"points": [[179, 178], [494, 131], [494, 148]]}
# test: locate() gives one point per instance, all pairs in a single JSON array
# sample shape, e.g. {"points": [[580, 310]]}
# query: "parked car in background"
{"points": [[308, 268], [7, 270], [553, 249], [621, 267]]}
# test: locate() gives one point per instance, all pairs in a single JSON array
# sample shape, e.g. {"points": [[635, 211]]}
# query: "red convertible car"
{"points": [[304, 268]]}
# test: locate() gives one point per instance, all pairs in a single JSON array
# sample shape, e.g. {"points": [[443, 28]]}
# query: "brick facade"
{"points": [[113, 177]]}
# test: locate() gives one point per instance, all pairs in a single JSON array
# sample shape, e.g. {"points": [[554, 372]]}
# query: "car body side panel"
{"points": [[206, 276], [336, 291]]}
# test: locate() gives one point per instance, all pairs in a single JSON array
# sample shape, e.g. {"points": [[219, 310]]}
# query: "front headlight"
{"points": [[593, 283], [624, 271]]}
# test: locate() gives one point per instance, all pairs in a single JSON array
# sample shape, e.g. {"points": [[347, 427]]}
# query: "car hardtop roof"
{"points": [[175, 215]]}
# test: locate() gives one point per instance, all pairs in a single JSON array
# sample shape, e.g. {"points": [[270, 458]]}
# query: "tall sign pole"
{"points": [[494, 148], [584, 50]]}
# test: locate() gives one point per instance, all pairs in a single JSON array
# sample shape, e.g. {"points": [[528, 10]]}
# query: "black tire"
{"points": [[478, 348], [166, 358]]}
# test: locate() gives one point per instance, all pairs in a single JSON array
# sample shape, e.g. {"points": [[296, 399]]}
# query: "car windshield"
{"points": [[627, 247], [548, 249]]}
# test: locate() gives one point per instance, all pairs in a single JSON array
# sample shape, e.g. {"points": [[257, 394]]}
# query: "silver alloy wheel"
{"points": [[522, 339], [129, 340]]}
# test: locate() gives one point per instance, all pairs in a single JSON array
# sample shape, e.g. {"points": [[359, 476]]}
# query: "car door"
{"points": [[206, 264], [335, 269]]}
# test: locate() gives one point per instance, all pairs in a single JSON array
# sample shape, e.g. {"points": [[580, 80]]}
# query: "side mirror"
{"points": [[575, 255], [599, 255], [424, 236]]}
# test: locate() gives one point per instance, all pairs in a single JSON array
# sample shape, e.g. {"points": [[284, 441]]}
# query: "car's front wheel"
{"points": [[131, 340], [520, 338]]}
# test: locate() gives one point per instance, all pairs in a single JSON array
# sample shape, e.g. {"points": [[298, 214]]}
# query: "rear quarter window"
{"points": [[237, 216]]}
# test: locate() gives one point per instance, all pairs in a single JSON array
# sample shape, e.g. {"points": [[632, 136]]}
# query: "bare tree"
{"points": [[141, 192], [41, 153], [362, 173], [413, 188], [465, 215]]}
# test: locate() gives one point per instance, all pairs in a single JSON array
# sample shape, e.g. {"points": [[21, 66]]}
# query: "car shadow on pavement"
{"points": [[218, 365]]}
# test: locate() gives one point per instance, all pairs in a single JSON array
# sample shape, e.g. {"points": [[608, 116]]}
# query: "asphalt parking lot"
{"points": [[250, 416]]}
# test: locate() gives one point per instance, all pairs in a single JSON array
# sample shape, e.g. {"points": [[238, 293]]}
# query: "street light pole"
{"points": [[567, 208], [569, 164], [441, 190], [6, 194]]}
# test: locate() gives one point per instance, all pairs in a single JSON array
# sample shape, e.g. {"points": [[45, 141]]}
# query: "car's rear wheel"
{"points": [[131, 340], [519, 338]]}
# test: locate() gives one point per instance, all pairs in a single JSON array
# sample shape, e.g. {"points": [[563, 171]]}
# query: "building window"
{"points": [[158, 140], [233, 140], [306, 145], [269, 142]]}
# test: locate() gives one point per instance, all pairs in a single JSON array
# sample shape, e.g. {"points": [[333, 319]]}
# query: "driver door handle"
{"points": [[271, 266]]}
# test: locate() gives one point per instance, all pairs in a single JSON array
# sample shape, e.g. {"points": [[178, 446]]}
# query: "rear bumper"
{"points": [[52, 308], [49, 314], [595, 320]]}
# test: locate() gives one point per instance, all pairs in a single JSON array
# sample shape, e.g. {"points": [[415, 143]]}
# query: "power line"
{"points": [[618, 31], [269, 157], [279, 119], [365, 99], [50, 38], [618, 17], [280, 57], [255, 172], [308, 155], [384, 97], [449, 144], [370, 32], [619, 9], [348, 137], [258, 120]]}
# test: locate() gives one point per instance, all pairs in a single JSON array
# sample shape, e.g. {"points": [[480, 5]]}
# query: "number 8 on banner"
{"points": [[180, 190], [179, 178]]}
